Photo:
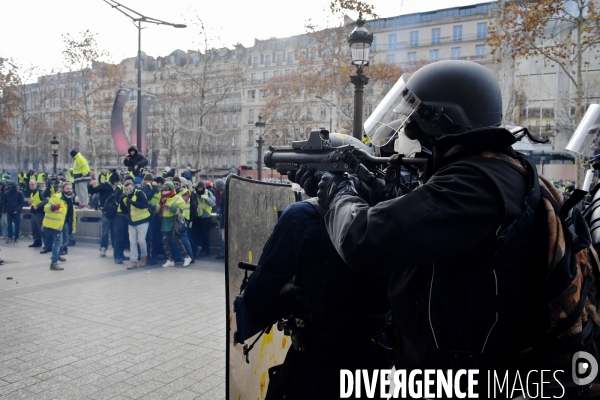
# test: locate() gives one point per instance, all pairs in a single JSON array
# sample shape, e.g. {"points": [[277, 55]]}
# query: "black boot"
{"points": [[36, 244]]}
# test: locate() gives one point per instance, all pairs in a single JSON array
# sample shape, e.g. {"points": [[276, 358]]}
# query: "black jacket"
{"points": [[447, 290], [136, 160], [14, 201], [105, 189]]}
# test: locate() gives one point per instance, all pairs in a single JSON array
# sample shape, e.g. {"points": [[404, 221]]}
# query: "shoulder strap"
{"points": [[530, 203]]}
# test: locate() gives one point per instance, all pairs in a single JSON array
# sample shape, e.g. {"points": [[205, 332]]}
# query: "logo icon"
{"points": [[583, 363]]}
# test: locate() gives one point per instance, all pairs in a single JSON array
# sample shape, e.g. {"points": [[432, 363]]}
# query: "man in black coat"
{"points": [[134, 160], [14, 202], [105, 190]]}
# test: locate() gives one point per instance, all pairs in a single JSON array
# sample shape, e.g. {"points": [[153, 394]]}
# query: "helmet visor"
{"points": [[392, 114], [585, 142]]}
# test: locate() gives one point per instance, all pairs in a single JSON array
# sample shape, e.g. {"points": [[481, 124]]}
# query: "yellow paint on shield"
{"points": [[283, 342], [263, 383], [249, 256]]}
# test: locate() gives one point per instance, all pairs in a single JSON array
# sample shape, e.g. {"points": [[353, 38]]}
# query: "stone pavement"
{"points": [[97, 331]]}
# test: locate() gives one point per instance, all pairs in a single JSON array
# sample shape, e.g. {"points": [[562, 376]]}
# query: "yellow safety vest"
{"points": [[41, 177], [36, 198], [186, 208], [155, 200], [176, 201], [70, 175], [137, 214], [104, 177], [202, 206], [22, 178], [56, 219], [80, 165]]}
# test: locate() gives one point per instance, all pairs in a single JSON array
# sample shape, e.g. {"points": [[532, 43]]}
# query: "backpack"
{"points": [[571, 280], [187, 174], [110, 207]]}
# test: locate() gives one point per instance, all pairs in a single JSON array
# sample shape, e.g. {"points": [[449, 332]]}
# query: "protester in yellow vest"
{"points": [[41, 177], [60, 221], [201, 207], [37, 201], [171, 206], [181, 187], [135, 205], [81, 177], [104, 175]]}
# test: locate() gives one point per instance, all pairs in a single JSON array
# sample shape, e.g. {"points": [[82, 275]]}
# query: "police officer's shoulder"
{"points": [[298, 212]]}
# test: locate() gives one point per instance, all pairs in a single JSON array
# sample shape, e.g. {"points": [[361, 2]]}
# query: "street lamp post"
{"points": [[360, 41], [260, 127], [139, 18], [54, 145]]}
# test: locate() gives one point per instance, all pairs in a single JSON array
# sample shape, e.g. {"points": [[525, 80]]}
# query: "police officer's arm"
{"points": [[458, 208], [294, 237]]}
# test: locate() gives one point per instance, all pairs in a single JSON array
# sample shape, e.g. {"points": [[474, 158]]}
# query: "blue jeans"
{"points": [[137, 236], [16, 220], [222, 253], [107, 228], [5, 225], [57, 242], [186, 244]]}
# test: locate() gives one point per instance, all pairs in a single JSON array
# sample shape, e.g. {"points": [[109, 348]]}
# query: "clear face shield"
{"points": [[585, 142], [391, 116]]}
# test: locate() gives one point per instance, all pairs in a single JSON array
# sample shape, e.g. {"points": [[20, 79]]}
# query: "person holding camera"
{"points": [[135, 161]]}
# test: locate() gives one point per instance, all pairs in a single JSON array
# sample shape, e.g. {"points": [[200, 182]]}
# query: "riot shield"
{"points": [[252, 210]]}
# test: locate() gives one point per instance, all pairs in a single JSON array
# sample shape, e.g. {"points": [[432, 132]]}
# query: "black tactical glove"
{"points": [[307, 177], [332, 185]]}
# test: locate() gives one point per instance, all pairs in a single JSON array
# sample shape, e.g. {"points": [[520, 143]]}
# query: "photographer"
{"points": [[135, 161]]}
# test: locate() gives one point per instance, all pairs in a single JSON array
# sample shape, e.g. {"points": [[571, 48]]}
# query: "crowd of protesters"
{"points": [[157, 218]]}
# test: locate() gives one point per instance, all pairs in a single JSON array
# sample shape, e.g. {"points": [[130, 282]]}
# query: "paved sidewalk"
{"points": [[98, 331]]}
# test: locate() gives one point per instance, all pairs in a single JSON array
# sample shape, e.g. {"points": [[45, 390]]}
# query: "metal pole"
{"points": [[139, 89], [55, 156], [359, 80], [260, 156]]}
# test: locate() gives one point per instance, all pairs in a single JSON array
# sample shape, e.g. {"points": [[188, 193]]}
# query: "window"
{"points": [[323, 110], [250, 137], [267, 61], [251, 94], [457, 33], [412, 57], [253, 78], [288, 71], [250, 116], [225, 121], [390, 58], [255, 62], [482, 30], [392, 40], [436, 34], [276, 73], [218, 87], [374, 44], [480, 50], [455, 53], [265, 76], [279, 59], [290, 57], [434, 55], [414, 38], [234, 121]]}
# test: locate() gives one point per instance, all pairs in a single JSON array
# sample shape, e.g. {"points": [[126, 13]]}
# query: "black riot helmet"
{"points": [[449, 102]]}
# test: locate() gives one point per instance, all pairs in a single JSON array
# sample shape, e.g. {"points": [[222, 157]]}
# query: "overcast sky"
{"points": [[30, 30]]}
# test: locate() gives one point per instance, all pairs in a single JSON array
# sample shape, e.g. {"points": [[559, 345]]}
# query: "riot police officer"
{"points": [[335, 316], [456, 301]]}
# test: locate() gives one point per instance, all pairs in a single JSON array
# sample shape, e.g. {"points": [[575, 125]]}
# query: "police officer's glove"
{"points": [[308, 179], [332, 185]]}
